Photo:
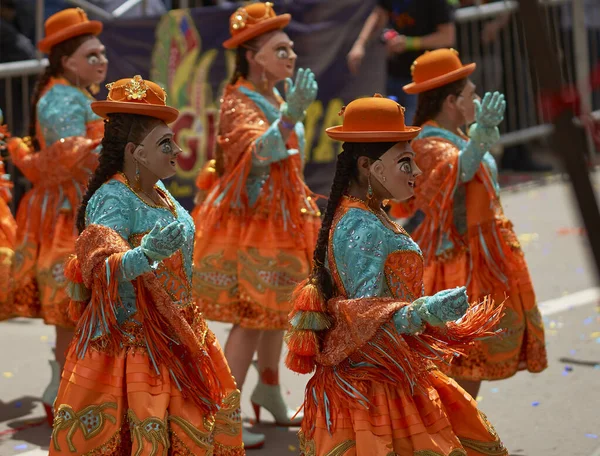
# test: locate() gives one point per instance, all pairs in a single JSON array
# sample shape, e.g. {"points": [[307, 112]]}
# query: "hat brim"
{"points": [[164, 113], [86, 28], [440, 81], [265, 26], [339, 134]]}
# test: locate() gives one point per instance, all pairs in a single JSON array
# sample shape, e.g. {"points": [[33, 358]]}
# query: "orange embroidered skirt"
{"points": [[521, 346], [492, 263], [440, 420], [246, 270], [117, 404]]}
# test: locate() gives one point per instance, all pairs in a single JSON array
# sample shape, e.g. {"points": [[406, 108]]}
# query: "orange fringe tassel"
{"points": [[480, 321], [300, 364], [75, 310], [388, 361], [73, 270], [303, 342], [308, 298]]}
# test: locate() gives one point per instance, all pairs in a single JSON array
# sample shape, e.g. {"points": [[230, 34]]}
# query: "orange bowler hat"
{"points": [[373, 119], [67, 24], [253, 20], [136, 96], [436, 69]]}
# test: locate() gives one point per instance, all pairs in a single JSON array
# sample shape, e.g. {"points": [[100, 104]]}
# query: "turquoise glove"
{"points": [[159, 243], [447, 305], [489, 112], [299, 95], [407, 320], [483, 137]]}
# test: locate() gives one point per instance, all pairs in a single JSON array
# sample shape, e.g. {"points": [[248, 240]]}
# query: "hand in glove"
{"points": [[447, 305], [299, 95], [159, 243], [482, 138], [489, 112]]}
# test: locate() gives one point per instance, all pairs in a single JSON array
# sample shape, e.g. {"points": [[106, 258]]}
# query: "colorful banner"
{"points": [[182, 51]]}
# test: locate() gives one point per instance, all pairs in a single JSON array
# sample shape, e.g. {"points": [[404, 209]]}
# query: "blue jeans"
{"points": [[394, 87]]}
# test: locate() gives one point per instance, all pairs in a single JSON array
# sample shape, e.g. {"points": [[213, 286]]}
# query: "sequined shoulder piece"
{"points": [[63, 112], [112, 205], [431, 131], [62, 97], [360, 244]]}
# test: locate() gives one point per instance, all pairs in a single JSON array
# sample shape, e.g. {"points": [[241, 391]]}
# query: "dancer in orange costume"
{"points": [[144, 374], [361, 319], [465, 237], [58, 158], [258, 223], [8, 228]]}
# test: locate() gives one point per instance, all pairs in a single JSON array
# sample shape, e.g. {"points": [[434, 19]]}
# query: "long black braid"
{"points": [[341, 181], [119, 129], [53, 70], [431, 102]]}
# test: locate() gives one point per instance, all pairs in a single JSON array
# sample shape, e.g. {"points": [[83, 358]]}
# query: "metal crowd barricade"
{"points": [[503, 63], [12, 74]]}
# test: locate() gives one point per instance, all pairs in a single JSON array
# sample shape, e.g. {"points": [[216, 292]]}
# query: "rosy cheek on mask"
{"points": [[394, 178]]}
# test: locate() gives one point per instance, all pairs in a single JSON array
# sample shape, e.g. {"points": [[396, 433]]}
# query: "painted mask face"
{"points": [[277, 56], [396, 171], [158, 152], [89, 62]]}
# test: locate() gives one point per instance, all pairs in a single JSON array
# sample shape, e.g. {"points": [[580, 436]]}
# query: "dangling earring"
{"points": [[137, 185], [264, 80], [369, 191]]}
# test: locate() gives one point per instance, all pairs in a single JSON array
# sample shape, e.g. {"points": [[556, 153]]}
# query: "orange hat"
{"points": [[253, 20], [373, 119], [436, 69], [136, 96], [67, 24]]}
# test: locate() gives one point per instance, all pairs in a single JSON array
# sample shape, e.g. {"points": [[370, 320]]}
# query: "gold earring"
{"points": [[369, 191], [137, 185]]}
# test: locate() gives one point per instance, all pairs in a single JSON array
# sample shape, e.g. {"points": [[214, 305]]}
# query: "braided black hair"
{"points": [[119, 129], [430, 102], [54, 69]]}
